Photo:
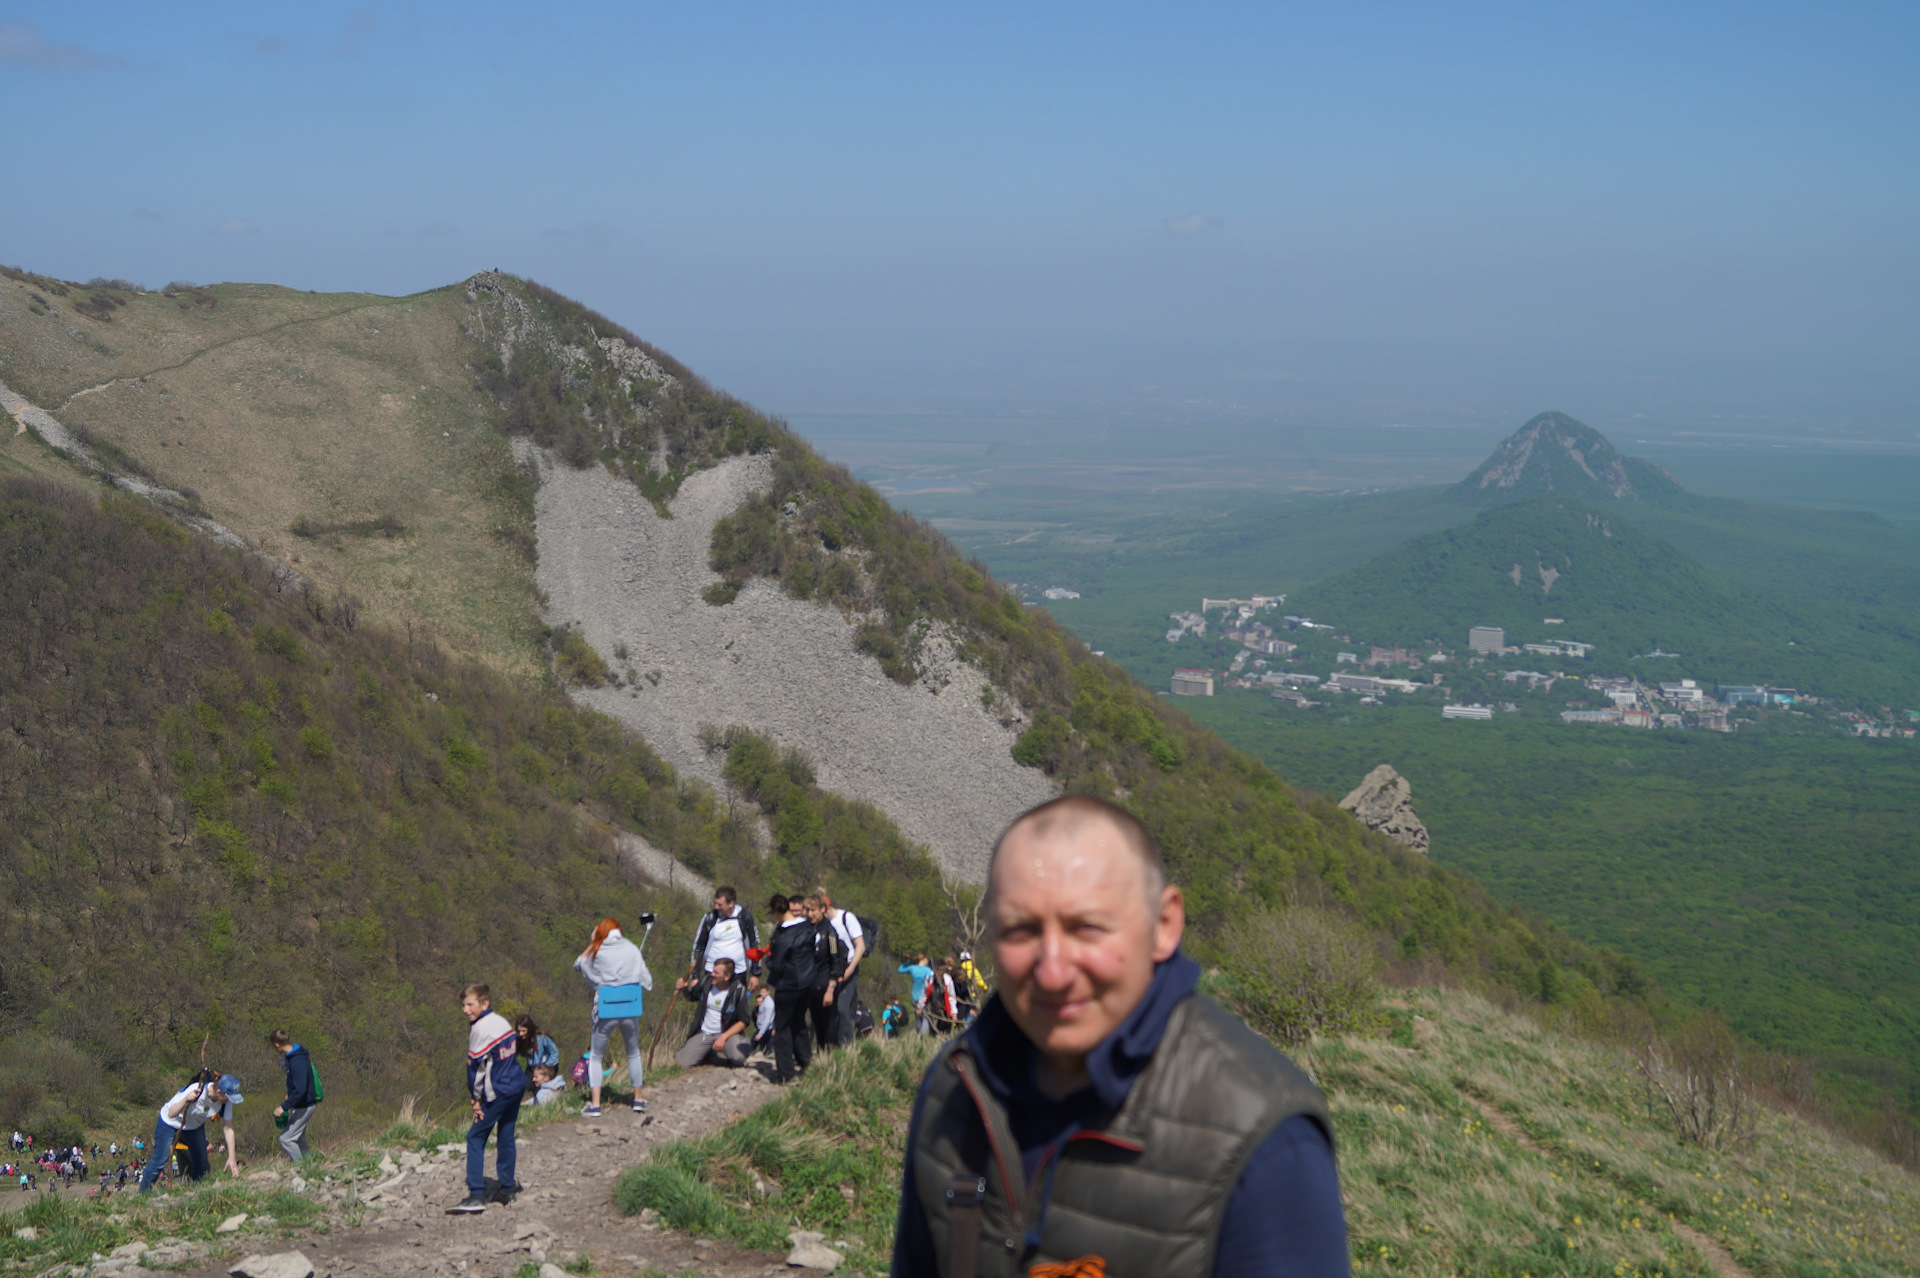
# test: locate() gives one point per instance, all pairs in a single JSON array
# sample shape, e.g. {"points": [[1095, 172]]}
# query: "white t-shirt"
{"points": [[716, 1000], [727, 939], [196, 1114], [846, 925]]}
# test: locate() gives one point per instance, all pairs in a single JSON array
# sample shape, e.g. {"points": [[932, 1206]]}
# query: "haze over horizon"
{"points": [[1247, 219]]}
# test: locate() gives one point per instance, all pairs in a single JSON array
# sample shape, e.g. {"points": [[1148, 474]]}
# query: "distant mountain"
{"points": [[1555, 455], [1613, 584]]}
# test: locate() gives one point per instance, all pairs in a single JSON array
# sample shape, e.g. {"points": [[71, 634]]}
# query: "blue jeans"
{"points": [[163, 1139], [502, 1112]]}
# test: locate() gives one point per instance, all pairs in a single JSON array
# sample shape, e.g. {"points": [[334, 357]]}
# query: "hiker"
{"points": [[303, 1094], [833, 965], [893, 1018], [726, 931], [943, 1006], [922, 976], [763, 1011], [534, 1044], [844, 996], [973, 986], [548, 1086], [719, 1029], [496, 1085], [619, 976], [793, 970], [184, 1119], [1202, 1150]]}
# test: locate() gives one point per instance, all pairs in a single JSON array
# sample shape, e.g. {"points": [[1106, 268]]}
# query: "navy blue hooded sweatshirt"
{"points": [[1284, 1219], [299, 1069]]}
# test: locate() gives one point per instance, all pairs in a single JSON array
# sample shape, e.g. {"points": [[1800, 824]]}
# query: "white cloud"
{"points": [[22, 44], [1194, 223], [236, 226]]}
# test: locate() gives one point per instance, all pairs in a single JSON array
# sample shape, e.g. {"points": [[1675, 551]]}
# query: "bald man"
{"points": [[1099, 1106]]}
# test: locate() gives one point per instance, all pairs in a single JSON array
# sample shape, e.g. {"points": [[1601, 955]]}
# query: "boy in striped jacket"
{"points": [[496, 1084]]}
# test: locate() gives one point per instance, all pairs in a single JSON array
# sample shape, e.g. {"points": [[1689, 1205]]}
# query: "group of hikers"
{"points": [[1096, 1115], [796, 994], [29, 1160], [179, 1142]]}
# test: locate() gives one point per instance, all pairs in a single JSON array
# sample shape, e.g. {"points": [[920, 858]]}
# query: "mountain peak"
{"points": [[1553, 453]]}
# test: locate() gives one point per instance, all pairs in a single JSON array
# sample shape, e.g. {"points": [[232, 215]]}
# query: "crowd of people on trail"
{"points": [[1173, 1139]]}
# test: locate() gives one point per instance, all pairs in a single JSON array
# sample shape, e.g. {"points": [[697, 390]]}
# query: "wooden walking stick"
{"points": [[667, 1014]]}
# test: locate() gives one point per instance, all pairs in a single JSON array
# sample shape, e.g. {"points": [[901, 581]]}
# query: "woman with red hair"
{"points": [[619, 976]]}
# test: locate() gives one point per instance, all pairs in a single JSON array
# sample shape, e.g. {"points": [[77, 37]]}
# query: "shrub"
{"points": [[578, 662], [1300, 972], [1698, 1079]]}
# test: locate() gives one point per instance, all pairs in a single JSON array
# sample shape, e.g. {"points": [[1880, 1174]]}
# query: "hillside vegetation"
{"points": [[224, 809]]}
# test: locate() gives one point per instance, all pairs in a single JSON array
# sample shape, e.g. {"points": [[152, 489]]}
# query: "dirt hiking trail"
{"points": [[565, 1210]]}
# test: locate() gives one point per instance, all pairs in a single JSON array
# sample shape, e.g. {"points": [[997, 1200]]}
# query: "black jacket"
{"points": [[748, 933], [738, 1009], [299, 1068], [796, 965]]}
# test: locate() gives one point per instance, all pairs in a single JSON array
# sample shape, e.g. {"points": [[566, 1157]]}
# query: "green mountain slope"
{"points": [[1615, 585]]}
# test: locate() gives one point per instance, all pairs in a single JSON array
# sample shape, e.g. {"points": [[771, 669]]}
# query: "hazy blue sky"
{"points": [[1685, 209]]}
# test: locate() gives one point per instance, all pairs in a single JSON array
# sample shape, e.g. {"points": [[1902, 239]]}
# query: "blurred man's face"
{"points": [[1075, 936], [473, 1006]]}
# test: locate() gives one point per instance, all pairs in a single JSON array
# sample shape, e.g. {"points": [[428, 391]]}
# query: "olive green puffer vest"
{"points": [[1146, 1191]]}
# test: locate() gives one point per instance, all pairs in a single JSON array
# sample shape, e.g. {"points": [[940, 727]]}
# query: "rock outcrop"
{"points": [[1384, 802]]}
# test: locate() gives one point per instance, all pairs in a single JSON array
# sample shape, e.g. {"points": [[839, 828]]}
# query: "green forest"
{"points": [[1770, 876]]}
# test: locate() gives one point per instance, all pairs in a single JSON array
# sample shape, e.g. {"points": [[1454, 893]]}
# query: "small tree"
{"points": [[1300, 972], [1697, 1078], [969, 919]]}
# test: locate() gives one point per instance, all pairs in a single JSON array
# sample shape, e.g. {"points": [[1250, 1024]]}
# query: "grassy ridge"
{"points": [[1471, 1141]]}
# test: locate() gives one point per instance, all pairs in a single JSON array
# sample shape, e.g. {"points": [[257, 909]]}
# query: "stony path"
{"points": [[567, 1172]]}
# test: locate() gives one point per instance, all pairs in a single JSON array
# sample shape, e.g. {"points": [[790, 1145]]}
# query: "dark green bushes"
{"points": [[852, 848], [221, 811]]}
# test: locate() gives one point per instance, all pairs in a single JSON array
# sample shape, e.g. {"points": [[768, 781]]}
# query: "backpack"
{"points": [[862, 1021], [870, 930], [832, 951], [579, 1071], [319, 1092]]}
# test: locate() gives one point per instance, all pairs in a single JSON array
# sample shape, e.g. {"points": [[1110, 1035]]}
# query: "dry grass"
{"points": [[274, 406], [1596, 1182]]}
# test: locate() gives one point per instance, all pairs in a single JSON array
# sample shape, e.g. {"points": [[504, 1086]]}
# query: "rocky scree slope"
{"points": [[927, 752]]}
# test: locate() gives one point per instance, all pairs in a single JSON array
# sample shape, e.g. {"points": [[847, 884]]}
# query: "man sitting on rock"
{"points": [[726, 1009]]}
